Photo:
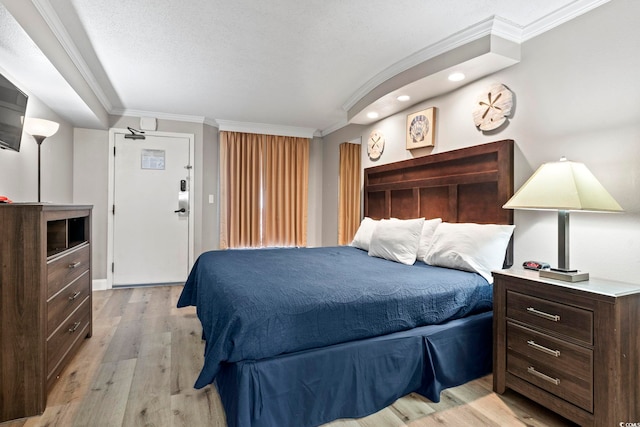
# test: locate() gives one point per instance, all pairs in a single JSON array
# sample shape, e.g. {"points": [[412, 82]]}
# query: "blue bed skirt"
{"points": [[355, 379]]}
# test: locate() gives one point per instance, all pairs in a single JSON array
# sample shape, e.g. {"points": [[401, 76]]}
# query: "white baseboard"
{"points": [[99, 285]]}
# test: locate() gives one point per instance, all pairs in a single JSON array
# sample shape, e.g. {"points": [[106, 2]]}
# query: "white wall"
{"points": [[210, 211], [19, 170], [576, 95], [90, 162]]}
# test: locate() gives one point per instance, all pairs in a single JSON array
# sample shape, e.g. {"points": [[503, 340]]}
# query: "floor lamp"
{"points": [[563, 186], [40, 129]]}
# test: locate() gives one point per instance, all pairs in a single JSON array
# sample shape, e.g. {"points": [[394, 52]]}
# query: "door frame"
{"points": [[111, 196]]}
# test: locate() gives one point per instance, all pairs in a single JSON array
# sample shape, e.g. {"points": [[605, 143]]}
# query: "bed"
{"points": [[303, 336]]}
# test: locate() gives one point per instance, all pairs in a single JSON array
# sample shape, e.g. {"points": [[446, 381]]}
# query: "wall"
{"points": [[90, 183], [576, 95], [210, 211], [19, 170]]}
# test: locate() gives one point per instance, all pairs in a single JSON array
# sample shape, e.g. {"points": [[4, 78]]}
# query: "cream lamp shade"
{"points": [[40, 127], [563, 186]]}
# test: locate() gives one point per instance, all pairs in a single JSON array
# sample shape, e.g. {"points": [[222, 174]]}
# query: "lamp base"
{"points": [[569, 276]]}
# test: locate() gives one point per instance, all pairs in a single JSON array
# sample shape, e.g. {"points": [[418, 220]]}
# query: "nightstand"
{"points": [[572, 347]]}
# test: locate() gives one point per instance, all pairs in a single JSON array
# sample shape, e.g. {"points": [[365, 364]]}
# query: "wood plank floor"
{"points": [[139, 367]]}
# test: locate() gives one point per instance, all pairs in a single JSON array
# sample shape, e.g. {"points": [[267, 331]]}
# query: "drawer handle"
{"points": [[74, 296], [75, 264], [74, 327], [533, 344], [533, 371], [552, 317]]}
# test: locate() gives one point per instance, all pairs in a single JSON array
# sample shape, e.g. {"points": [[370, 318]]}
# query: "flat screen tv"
{"points": [[13, 104]]}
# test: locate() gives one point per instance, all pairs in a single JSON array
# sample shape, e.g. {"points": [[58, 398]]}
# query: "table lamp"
{"points": [[563, 186], [40, 129]]}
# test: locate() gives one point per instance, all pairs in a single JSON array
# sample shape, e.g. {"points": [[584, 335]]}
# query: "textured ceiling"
{"points": [[278, 62]]}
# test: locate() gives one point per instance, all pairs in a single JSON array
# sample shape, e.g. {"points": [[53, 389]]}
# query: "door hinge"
{"points": [[113, 267], [114, 151], [113, 210]]}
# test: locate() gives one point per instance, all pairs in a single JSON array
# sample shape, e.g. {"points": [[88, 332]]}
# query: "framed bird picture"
{"points": [[421, 129]]}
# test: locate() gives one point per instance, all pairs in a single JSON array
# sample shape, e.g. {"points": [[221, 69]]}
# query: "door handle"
{"points": [[183, 199]]}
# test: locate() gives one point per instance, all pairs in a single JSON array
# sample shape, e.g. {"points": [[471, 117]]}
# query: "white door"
{"points": [[151, 210]]}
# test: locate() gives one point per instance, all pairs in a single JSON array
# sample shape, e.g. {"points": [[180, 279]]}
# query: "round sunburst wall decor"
{"points": [[493, 107]]}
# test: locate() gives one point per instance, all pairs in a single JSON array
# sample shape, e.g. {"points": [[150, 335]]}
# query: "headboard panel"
{"points": [[466, 185]]}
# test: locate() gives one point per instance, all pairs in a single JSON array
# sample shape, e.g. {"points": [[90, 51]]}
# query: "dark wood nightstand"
{"points": [[572, 347]]}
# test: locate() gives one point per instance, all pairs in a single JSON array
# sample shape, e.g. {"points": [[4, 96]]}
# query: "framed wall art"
{"points": [[421, 129], [493, 107]]}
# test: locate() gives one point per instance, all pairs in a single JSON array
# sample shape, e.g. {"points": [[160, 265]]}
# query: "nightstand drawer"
{"points": [[62, 271], [64, 303], [573, 322], [568, 358], [553, 379]]}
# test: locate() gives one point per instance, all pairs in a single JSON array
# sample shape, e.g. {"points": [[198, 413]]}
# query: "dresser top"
{"points": [[611, 288], [44, 206]]}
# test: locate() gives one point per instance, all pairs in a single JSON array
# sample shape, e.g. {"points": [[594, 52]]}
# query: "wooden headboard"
{"points": [[466, 185]]}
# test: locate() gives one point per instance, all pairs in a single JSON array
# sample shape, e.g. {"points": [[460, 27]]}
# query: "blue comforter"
{"points": [[255, 304]]}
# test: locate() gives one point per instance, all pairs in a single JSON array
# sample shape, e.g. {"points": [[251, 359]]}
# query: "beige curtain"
{"points": [[240, 189], [263, 190], [286, 191], [349, 192]]}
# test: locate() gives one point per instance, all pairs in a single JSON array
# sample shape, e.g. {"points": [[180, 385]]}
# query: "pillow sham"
{"points": [[397, 240], [471, 247], [362, 239], [428, 228]]}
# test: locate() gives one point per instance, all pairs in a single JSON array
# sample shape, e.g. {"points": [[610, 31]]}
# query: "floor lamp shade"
{"points": [[40, 129], [563, 186]]}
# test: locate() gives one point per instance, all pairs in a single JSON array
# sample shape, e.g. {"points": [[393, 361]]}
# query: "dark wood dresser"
{"points": [[45, 299], [572, 347]]}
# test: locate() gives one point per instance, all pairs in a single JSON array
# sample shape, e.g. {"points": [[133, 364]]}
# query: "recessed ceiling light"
{"points": [[403, 98], [456, 77], [372, 115]]}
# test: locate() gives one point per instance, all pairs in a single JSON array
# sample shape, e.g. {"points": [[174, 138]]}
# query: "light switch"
{"points": [[211, 198]]}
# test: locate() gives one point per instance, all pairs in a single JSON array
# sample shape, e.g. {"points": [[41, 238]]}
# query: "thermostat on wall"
{"points": [[148, 123]]}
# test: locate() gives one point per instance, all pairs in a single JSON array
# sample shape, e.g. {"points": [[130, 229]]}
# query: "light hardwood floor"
{"points": [[139, 367]]}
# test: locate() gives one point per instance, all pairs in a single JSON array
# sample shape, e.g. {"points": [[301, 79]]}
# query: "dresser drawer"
{"points": [[67, 300], [573, 322], [64, 269], [75, 327], [569, 358], [553, 379]]}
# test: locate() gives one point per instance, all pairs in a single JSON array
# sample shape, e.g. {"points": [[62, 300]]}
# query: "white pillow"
{"points": [[428, 228], [363, 235], [478, 248], [397, 240]]}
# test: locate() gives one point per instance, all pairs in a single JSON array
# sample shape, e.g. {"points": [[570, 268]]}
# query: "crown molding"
{"points": [[52, 19], [506, 29], [211, 122], [266, 129], [157, 115], [559, 17], [342, 123]]}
